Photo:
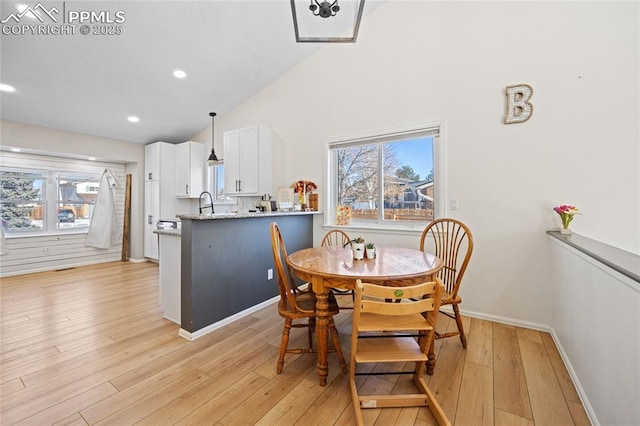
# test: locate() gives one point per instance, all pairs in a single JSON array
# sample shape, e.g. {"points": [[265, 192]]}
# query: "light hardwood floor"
{"points": [[89, 346]]}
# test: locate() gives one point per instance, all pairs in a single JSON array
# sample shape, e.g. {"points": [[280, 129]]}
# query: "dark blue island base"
{"points": [[225, 265]]}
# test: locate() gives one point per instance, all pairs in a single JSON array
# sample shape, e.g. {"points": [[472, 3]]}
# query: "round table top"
{"points": [[390, 263]]}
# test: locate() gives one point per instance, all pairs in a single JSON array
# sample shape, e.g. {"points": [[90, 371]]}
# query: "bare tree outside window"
{"points": [[389, 170], [21, 201]]}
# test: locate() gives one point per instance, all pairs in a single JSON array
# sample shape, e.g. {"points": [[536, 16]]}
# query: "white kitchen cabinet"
{"points": [[156, 158], [151, 216], [189, 169], [248, 160], [160, 201]]}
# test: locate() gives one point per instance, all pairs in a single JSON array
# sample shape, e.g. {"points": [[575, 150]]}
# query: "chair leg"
{"points": [[310, 331], [463, 338], [284, 344], [336, 344]]}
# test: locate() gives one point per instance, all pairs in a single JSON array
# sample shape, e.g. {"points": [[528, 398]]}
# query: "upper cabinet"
{"points": [[189, 169], [248, 161], [157, 156]]}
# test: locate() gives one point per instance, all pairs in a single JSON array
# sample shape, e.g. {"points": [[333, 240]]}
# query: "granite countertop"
{"points": [[625, 262], [174, 232], [242, 215]]}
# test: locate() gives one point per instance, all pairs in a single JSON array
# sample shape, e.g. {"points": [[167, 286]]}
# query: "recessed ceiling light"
{"points": [[91, 158], [7, 88], [133, 119], [179, 74], [16, 149]]}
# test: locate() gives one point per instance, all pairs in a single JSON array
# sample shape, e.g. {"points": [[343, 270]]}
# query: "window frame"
{"points": [[433, 129], [51, 167]]}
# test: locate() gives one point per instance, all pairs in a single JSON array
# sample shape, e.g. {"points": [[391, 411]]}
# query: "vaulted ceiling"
{"points": [[90, 83]]}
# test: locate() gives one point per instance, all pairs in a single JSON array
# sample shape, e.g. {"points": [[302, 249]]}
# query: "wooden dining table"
{"points": [[334, 267]]}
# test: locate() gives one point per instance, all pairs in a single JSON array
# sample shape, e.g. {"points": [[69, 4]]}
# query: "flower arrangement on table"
{"points": [[302, 187], [566, 215]]}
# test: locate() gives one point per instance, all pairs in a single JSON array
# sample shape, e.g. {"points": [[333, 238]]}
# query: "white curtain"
{"points": [[104, 230]]}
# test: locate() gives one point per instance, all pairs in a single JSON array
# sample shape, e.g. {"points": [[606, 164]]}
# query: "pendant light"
{"points": [[213, 158]]}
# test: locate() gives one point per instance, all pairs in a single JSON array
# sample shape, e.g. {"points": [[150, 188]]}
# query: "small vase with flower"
{"points": [[566, 213]]}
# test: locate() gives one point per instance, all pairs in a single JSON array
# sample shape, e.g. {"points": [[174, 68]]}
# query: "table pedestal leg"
{"points": [[322, 322]]}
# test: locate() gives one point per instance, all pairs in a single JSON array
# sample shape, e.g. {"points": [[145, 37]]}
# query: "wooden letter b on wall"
{"points": [[519, 109]]}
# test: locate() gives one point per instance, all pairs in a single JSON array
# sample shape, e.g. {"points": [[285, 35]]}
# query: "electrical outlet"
{"points": [[269, 274]]}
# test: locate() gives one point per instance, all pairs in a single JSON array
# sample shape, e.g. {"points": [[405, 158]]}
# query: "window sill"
{"points": [[44, 234], [382, 229]]}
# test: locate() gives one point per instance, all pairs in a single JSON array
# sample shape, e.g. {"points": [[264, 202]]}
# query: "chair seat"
{"points": [[448, 299], [306, 301], [387, 349]]}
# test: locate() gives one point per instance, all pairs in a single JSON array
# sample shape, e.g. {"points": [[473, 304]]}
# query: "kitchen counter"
{"points": [[174, 232], [215, 216]]}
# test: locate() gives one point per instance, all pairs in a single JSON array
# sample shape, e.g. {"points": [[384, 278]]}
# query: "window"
{"points": [[76, 197], [22, 200], [29, 205], [387, 180], [216, 182]]}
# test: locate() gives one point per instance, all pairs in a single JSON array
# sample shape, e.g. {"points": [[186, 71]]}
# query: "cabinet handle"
{"points": [[239, 186], [150, 220], [150, 176], [236, 185], [186, 189]]}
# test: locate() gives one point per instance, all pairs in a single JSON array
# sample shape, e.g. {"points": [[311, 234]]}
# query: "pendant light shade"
{"points": [[213, 158]]}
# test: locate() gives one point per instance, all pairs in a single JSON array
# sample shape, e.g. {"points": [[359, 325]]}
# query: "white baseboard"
{"points": [[216, 325]]}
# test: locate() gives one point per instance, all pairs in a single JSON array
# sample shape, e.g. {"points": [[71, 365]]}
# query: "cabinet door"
{"points": [[181, 182], [189, 169], [151, 216], [231, 145], [249, 160], [152, 161]]}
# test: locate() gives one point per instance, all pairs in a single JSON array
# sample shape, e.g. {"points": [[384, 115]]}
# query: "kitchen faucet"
{"points": [[206, 206]]}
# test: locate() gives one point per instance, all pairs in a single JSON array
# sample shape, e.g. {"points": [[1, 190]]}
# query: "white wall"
{"points": [[43, 140], [595, 323], [419, 62]]}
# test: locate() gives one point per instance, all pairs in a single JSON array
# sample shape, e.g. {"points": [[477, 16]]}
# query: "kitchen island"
{"points": [[226, 264]]}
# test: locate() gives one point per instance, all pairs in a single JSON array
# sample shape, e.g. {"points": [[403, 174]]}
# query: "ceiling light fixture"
{"points": [[213, 158], [179, 74], [91, 158], [133, 119], [16, 150], [308, 30], [7, 88]]}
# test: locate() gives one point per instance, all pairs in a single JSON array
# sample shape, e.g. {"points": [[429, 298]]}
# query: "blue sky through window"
{"points": [[417, 153]]}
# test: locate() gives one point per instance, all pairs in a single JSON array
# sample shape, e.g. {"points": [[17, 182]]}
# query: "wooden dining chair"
{"points": [[453, 244], [338, 238], [335, 238], [385, 333], [298, 304]]}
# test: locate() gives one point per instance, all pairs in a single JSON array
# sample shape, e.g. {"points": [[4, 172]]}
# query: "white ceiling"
{"points": [[91, 83]]}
